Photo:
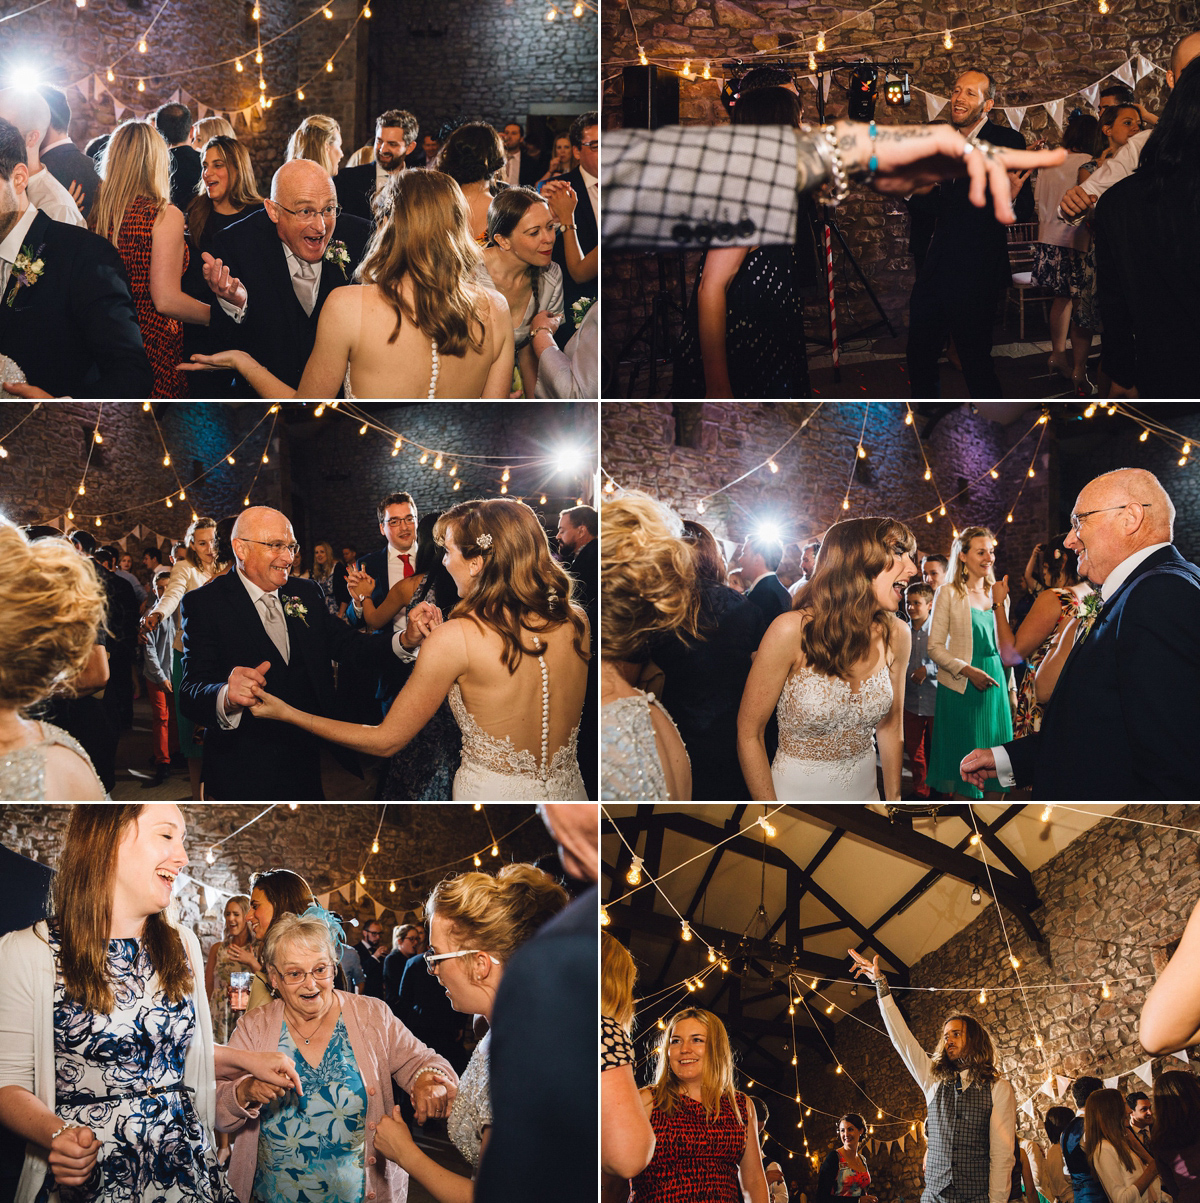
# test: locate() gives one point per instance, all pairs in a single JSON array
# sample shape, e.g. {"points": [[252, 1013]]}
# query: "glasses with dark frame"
{"points": [[1077, 519]]}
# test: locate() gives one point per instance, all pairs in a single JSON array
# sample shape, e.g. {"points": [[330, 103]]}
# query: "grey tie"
{"points": [[275, 624], [304, 283]]}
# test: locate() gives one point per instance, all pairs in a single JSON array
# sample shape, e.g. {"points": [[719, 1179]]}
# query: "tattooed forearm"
{"points": [[903, 133], [812, 167]]}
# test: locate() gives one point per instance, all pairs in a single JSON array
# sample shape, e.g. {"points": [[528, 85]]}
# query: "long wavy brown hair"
{"points": [[83, 901], [423, 232], [243, 187], [978, 1056], [717, 1081], [519, 580], [843, 611]]}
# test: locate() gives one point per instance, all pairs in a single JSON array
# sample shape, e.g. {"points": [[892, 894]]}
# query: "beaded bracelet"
{"points": [[873, 162], [65, 1128], [541, 330], [838, 186]]}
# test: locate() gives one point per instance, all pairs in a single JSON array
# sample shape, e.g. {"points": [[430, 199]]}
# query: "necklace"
{"points": [[293, 1026]]}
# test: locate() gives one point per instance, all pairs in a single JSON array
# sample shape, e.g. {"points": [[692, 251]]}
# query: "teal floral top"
{"points": [[310, 1149]]}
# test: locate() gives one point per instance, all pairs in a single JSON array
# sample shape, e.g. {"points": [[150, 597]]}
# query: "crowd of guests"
{"points": [[724, 673], [465, 280], [87, 631], [119, 1081]]}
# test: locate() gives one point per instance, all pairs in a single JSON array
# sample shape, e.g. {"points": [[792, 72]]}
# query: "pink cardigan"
{"points": [[383, 1047]]}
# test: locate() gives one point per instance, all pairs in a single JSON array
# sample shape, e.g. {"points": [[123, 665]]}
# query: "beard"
{"points": [[969, 121]]}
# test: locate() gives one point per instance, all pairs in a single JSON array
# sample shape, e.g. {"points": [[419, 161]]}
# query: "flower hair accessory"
{"points": [[484, 541], [336, 932]]}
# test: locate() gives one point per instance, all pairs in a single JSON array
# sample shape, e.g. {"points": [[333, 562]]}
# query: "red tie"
{"points": [[407, 566]]}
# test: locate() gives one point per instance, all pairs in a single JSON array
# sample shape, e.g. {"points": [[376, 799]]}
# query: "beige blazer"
{"points": [[950, 641]]}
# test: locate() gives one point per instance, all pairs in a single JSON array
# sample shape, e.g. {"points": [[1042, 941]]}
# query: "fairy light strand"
{"points": [[854, 463]]}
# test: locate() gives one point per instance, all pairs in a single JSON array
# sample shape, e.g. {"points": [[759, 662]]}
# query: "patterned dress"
{"points": [[472, 1110], [310, 1148], [162, 336], [1029, 713], [223, 1019], [616, 1049], [695, 1159], [153, 1146]]}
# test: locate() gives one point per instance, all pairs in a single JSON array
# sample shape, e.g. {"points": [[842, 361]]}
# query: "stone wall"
{"points": [[326, 844], [642, 447], [1034, 57], [1113, 899]]}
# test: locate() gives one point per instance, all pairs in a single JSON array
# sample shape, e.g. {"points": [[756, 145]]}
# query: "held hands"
{"points": [[421, 621], [242, 684], [73, 1156], [394, 1140], [225, 286], [360, 583], [432, 1097], [978, 766], [253, 1093], [864, 968], [267, 705]]}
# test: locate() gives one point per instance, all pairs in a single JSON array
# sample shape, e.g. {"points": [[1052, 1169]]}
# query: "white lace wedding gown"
{"points": [[492, 770], [826, 737]]}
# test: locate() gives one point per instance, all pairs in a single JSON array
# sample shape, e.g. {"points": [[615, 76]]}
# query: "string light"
{"points": [[258, 58], [929, 516], [478, 862], [141, 85], [97, 521], [437, 463], [329, 67], [1105, 992], [685, 933], [111, 76], [634, 876], [838, 1070], [375, 847], [928, 474], [98, 436], [495, 850], [503, 489], [453, 470], [820, 43], [505, 476], [1032, 473], [812, 61], [82, 490], [845, 503], [1014, 962], [645, 62], [1047, 813], [238, 67], [862, 452], [908, 418], [948, 41], [974, 839], [942, 511], [982, 997], [773, 466], [391, 887], [1090, 412], [604, 919], [1008, 518], [794, 1059], [457, 485], [705, 74], [829, 1009], [712, 956], [1186, 449], [142, 47], [767, 827]]}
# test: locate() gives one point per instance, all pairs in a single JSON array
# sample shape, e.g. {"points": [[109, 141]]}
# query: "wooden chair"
{"points": [[1021, 240]]}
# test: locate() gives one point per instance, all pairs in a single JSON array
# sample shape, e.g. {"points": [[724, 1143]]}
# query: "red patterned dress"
{"points": [[695, 1160], [162, 336]]}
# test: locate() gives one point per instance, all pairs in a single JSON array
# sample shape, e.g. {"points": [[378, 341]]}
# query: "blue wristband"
{"points": [[873, 163]]}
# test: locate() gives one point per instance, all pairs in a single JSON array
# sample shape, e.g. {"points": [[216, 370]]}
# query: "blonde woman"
{"points": [[220, 964], [419, 324], [197, 567], [706, 1132], [133, 212], [833, 669], [209, 127], [974, 709], [647, 588], [318, 138], [626, 1137], [325, 573], [51, 604]]}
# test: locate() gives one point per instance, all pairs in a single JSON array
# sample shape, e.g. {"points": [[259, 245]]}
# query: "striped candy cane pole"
{"points": [[833, 335]]}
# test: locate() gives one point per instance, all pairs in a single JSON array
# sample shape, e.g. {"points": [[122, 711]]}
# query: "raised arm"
{"points": [[903, 1041], [776, 656]]}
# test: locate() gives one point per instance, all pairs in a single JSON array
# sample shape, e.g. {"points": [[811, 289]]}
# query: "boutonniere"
{"points": [[336, 252], [27, 270], [1092, 605], [579, 309], [293, 607]]}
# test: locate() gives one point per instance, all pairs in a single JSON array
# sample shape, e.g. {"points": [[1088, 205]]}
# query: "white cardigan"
{"points": [[27, 1035], [183, 579], [950, 641], [1118, 1182]]}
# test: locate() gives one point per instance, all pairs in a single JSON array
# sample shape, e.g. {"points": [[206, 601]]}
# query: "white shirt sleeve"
{"points": [[1004, 768], [1002, 1132], [225, 720], [1123, 163], [235, 313], [407, 655], [53, 199], [909, 1048]]}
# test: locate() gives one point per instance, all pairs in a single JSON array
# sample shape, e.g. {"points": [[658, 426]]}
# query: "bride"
{"points": [[511, 657], [833, 667], [418, 324]]}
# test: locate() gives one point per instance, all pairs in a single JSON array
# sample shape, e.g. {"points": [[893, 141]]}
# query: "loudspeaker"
{"points": [[650, 98]]}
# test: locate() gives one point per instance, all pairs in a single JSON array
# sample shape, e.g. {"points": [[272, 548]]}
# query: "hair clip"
{"points": [[484, 541]]}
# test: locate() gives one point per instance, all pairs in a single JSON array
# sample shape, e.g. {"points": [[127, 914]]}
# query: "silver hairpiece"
{"points": [[552, 599], [484, 541]]}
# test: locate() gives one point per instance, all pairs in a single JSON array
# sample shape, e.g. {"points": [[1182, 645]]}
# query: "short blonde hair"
{"points": [[211, 127], [497, 914], [51, 606], [312, 139], [617, 977], [647, 575]]}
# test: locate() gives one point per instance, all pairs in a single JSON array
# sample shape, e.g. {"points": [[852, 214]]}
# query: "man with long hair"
{"points": [[972, 1122]]}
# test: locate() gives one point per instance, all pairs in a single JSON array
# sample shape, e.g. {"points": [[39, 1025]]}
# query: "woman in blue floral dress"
{"points": [[115, 1096]]}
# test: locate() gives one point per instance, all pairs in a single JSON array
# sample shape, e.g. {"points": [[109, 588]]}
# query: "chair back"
{"points": [[1021, 240]]}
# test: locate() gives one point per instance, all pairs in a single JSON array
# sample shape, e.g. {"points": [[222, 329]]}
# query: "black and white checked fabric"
{"points": [[689, 187], [960, 1153]]}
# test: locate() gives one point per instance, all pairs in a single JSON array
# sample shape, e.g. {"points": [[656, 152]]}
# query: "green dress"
{"points": [[971, 719]]}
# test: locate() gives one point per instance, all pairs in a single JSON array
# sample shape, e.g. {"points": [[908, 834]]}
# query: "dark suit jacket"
{"points": [[75, 332], [543, 1147], [355, 188], [585, 220], [221, 630], [585, 569], [69, 165], [1123, 719], [392, 673], [276, 330], [186, 168], [770, 597]]}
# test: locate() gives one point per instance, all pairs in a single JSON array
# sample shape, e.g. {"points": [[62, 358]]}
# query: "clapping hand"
{"points": [[224, 284]]}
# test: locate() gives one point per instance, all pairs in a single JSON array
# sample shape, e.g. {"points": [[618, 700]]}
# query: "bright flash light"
{"points": [[26, 79], [768, 532], [567, 460]]}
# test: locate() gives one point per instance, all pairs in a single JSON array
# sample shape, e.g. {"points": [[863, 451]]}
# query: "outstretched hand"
{"points": [[237, 360], [225, 285], [864, 968], [978, 767]]}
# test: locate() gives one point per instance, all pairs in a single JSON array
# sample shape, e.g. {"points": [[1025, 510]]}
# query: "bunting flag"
{"points": [[1111, 1083], [1181, 1054], [211, 897], [1055, 110], [934, 104], [323, 901], [900, 1142], [1062, 1084], [1048, 1088], [1125, 73], [1027, 1107], [1146, 1073], [1016, 115], [1142, 67], [1091, 94]]}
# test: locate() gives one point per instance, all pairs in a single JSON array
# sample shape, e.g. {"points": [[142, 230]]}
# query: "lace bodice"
{"points": [[23, 770], [631, 770], [822, 718]]}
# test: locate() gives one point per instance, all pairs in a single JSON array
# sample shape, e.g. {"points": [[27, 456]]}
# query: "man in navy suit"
{"points": [[258, 626], [60, 156], [70, 324], [288, 256], [759, 559], [395, 139], [583, 178], [1124, 714]]}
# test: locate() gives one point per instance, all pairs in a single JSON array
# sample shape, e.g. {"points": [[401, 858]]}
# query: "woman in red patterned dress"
{"points": [[706, 1133], [133, 213]]}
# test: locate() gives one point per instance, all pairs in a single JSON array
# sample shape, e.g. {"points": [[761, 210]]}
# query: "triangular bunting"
{"points": [[1146, 1073], [1062, 1084], [1091, 94], [82, 86], [1055, 110], [1048, 1088], [1181, 1054], [1111, 1083], [1016, 115], [1125, 73], [933, 104], [900, 1142], [211, 896], [828, 79], [118, 108], [1027, 1107]]}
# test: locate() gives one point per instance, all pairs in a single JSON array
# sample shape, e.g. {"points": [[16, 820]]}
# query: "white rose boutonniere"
{"points": [[336, 253], [27, 270], [293, 607], [579, 309]]}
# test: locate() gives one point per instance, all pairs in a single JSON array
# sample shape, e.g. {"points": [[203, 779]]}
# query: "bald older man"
{"points": [[258, 626], [30, 113], [289, 256], [1123, 719]]}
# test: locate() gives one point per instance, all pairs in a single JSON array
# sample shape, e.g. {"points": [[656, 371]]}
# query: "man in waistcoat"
{"points": [[971, 1126]]}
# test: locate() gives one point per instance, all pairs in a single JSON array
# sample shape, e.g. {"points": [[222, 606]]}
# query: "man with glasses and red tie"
{"points": [[1123, 717], [259, 626]]}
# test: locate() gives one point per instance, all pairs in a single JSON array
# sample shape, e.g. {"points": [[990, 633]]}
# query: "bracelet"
{"points": [[432, 1069], [873, 162], [838, 186], [540, 330], [65, 1128]]}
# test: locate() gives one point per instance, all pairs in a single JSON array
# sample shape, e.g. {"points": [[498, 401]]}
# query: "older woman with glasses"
{"points": [[476, 923], [318, 1143]]}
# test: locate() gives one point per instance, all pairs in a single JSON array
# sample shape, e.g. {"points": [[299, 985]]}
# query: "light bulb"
{"points": [[98, 436], [974, 838], [724, 965], [908, 418], [772, 465], [928, 474], [1103, 7], [829, 1009], [262, 84], [256, 15], [942, 510], [994, 474], [1090, 412], [1008, 518], [878, 1113], [954, 533], [862, 452], [1032, 473], [793, 1060], [854, 991], [976, 897], [477, 861], [504, 489], [1186, 449], [495, 850], [437, 463], [1143, 436], [699, 507], [542, 499], [768, 828], [363, 428], [1037, 1042], [1047, 813], [820, 43], [238, 66], [424, 458], [634, 876], [705, 74], [982, 997], [453, 470], [813, 984], [141, 85], [210, 857], [948, 41], [457, 485], [505, 476], [645, 62], [1183, 461], [268, 104], [329, 67], [791, 1009], [838, 1070], [111, 76], [712, 957], [808, 1111], [929, 517], [391, 887], [258, 58], [478, 806], [812, 61], [367, 11], [687, 69], [82, 490], [375, 847], [170, 503], [142, 47], [845, 503], [182, 495], [97, 521], [1016, 964], [70, 513], [245, 501], [685, 932], [604, 919], [551, 14], [327, 13], [1105, 992], [1043, 419]]}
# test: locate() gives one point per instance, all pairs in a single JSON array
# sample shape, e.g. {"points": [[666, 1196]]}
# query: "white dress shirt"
{"points": [[53, 199], [10, 248], [593, 193], [227, 720], [512, 170]]}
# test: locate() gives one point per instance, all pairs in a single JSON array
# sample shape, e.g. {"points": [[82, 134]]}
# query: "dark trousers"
{"points": [[966, 312], [918, 738]]}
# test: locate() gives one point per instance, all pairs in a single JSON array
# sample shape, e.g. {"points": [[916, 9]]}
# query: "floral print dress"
{"points": [[154, 1147], [310, 1149]]}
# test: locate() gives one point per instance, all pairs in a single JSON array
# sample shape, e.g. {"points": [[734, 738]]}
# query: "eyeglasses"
{"points": [[277, 547], [432, 958], [329, 213], [294, 977], [591, 145], [1077, 519], [395, 522]]}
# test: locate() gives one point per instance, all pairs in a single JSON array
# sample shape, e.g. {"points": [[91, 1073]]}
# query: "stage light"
{"points": [[863, 93], [566, 461], [896, 92]]}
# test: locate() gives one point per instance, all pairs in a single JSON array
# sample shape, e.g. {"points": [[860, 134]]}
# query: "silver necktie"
{"points": [[304, 283], [274, 622]]}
